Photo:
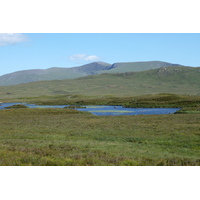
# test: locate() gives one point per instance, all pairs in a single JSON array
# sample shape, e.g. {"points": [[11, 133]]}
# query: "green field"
{"points": [[69, 137]]}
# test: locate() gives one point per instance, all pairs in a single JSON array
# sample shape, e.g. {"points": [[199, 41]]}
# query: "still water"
{"points": [[106, 110]]}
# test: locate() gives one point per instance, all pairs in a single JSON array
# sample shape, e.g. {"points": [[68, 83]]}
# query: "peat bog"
{"points": [[63, 137]]}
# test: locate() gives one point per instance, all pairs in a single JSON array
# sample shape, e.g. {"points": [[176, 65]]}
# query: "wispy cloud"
{"points": [[91, 58], [83, 57], [12, 38]]}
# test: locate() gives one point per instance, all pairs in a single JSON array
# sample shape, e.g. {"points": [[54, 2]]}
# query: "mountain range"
{"points": [[171, 79], [93, 68]]}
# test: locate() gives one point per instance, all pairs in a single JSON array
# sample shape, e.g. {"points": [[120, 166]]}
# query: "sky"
{"points": [[23, 51]]}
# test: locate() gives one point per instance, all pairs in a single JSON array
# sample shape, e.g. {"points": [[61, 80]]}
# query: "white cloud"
{"points": [[12, 38], [91, 58], [77, 57], [83, 57]]}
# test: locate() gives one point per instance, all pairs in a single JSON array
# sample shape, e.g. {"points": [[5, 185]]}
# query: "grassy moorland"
{"points": [[69, 137], [187, 103], [142, 101]]}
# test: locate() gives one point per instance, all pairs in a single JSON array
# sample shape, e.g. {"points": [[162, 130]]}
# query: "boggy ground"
{"points": [[164, 100], [43, 137]]}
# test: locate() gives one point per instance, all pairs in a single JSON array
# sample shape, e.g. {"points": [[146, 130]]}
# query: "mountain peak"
{"points": [[103, 63]]}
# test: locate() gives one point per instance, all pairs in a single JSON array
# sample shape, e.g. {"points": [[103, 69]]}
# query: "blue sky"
{"points": [[44, 50]]}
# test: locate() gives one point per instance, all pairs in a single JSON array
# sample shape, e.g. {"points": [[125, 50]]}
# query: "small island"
{"points": [[16, 106]]}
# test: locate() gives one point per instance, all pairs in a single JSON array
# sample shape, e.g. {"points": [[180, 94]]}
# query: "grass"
{"points": [[164, 100], [190, 110], [42, 137]]}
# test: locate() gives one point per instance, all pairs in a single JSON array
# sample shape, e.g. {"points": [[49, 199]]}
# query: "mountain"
{"points": [[57, 73], [138, 66], [175, 79], [54, 73]]}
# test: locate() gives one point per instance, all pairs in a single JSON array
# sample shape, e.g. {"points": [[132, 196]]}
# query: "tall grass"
{"points": [[65, 137]]}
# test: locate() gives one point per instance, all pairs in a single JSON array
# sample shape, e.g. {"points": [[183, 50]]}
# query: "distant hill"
{"points": [[57, 73], [138, 66], [54, 73], [176, 79]]}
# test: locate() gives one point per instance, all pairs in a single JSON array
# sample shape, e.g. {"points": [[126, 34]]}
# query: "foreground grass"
{"points": [[69, 137]]}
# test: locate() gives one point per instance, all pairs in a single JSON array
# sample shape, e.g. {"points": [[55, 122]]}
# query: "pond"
{"points": [[105, 110]]}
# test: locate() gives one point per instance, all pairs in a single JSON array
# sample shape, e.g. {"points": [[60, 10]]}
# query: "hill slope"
{"points": [[138, 66], [177, 80], [76, 72], [54, 73]]}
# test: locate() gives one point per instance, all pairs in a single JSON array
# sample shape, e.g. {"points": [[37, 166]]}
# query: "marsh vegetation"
{"points": [[70, 137], [53, 136]]}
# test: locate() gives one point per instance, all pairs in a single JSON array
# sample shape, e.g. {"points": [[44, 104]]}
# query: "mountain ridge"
{"points": [[58, 73], [176, 80]]}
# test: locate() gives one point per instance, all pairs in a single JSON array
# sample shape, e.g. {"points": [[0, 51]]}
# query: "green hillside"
{"points": [[137, 66], [57, 73], [177, 80]]}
